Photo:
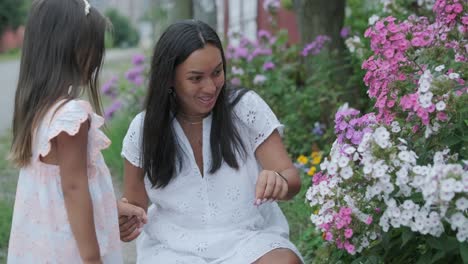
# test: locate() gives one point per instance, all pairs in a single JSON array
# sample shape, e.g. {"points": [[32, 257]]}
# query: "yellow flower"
{"points": [[316, 158], [311, 171], [302, 159]]}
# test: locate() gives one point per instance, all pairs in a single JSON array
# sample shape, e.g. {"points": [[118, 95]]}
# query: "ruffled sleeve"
{"points": [[260, 121], [68, 117], [131, 146]]}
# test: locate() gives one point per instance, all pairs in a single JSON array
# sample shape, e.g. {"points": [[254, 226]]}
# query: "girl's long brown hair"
{"points": [[62, 48]]}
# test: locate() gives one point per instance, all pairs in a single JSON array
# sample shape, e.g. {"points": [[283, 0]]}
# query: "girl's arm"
{"points": [[134, 193], [72, 160], [279, 179]]}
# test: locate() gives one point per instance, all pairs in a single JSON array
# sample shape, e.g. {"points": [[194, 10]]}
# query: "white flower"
{"points": [[462, 204], [440, 106], [438, 158], [439, 68], [382, 137], [424, 86], [454, 75], [259, 79], [346, 173], [446, 196], [448, 185], [396, 129], [343, 161], [332, 168], [350, 150], [458, 220], [373, 19], [237, 71]]}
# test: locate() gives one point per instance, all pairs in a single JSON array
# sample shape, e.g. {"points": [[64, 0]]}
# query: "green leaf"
{"points": [[438, 256], [464, 252], [435, 243], [424, 259], [450, 243], [450, 141], [406, 236]]}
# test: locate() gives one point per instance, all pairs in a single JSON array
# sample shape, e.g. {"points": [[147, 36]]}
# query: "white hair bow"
{"points": [[87, 6]]}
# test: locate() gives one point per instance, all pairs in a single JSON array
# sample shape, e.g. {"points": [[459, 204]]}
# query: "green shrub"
{"points": [[124, 34]]}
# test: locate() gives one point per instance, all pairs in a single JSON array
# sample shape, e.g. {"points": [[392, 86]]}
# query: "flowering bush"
{"points": [[126, 93], [401, 174]]}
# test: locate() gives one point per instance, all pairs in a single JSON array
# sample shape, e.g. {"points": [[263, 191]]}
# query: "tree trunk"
{"points": [[321, 17], [206, 11]]}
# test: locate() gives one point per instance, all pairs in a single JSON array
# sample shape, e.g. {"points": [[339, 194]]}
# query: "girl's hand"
{"points": [[131, 220], [270, 186]]}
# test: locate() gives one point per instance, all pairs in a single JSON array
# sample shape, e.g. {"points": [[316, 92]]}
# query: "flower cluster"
{"points": [[395, 62], [315, 46], [393, 168], [309, 164], [132, 86]]}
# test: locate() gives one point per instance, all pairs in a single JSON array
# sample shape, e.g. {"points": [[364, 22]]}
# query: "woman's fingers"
{"points": [[128, 225], [127, 209], [270, 187]]}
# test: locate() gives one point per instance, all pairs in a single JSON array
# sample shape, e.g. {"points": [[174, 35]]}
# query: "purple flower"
{"points": [[268, 66], [109, 88], [345, 32], [110, 111], [264, 34], [138, 59], [133, 73], [315, 46]]}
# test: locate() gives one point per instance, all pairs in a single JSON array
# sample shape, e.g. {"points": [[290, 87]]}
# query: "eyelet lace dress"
{"points": [[41, 232], [211, 219]]}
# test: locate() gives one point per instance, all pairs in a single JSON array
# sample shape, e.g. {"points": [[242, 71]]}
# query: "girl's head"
{"points": [[62, 53], [188, 68], [187, 77]]}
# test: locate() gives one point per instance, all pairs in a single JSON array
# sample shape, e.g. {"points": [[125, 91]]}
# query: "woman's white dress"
{"points": [[211, 219]]}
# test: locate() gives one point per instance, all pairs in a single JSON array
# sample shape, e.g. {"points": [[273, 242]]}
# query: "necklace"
{"points": [[191, 123], [185, 118]]}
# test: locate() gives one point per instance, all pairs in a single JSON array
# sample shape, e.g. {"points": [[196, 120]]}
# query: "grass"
{"points": [[8, 179], [13, 54], [115, 131]]}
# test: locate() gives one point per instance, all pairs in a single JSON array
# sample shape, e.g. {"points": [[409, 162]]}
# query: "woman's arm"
{"points": [[279, 179], [72, 161], [135, 194]]}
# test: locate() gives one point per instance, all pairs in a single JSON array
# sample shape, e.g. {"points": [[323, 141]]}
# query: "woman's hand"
{"points": [[131, 220], [270, 186]]}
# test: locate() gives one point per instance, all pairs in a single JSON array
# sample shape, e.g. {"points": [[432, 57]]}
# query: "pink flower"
{"points": [[350, 248], [328, 236], [369, 220], [348, 233], [442, 116]]}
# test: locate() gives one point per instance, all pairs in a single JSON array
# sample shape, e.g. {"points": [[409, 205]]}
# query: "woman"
{"points": [[209, 160]]}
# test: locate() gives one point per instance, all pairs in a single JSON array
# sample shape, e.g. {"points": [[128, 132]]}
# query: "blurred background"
{"points": [[303, 57]]}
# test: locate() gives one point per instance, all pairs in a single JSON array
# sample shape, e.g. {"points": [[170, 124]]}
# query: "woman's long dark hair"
{"points": [[160, 148], [63, 46]]}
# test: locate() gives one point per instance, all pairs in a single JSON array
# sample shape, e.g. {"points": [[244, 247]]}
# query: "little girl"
{"points": [[65, 209]]}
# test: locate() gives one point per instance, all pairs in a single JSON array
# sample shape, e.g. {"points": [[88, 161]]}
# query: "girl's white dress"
{"points": [[40, 231], [211, 219]]}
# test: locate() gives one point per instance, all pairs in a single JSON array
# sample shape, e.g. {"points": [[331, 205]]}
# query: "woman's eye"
{"points": [[217, 72], [195, 78]]}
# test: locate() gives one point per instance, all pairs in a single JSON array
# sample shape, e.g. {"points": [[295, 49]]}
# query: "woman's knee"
{"points": [[279, 256]]}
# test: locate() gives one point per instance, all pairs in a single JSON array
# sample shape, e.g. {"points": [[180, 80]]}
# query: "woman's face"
{"points": [[199, 80]]}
